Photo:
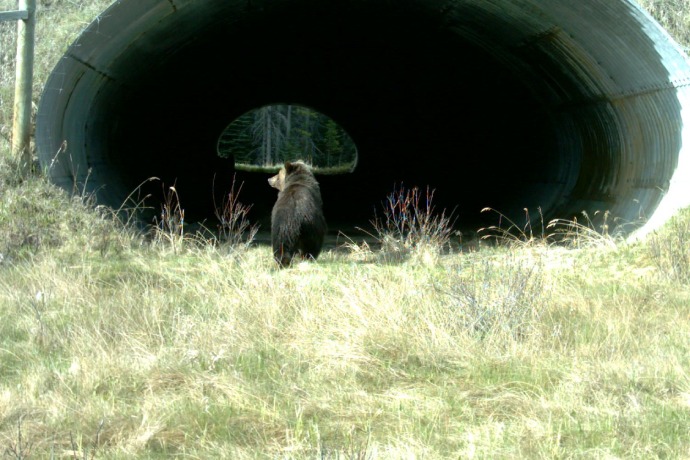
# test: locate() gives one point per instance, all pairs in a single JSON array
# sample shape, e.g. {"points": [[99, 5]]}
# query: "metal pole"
{"points": [[21, 123]]}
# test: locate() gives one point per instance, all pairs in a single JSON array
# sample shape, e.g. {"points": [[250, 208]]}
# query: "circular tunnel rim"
{"points": [[91, 58]]}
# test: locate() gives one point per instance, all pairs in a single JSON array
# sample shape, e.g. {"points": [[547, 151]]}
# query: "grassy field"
{"points": [[117, 345]]}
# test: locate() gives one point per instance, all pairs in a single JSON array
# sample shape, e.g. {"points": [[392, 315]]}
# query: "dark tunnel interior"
{"points": [[424, 107], [537, 109]]}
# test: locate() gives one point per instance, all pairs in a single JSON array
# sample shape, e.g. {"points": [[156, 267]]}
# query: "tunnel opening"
{"points": [[444, 134], [494, 106], [262, 139]]}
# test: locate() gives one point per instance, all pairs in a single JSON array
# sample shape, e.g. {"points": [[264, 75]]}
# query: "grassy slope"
{"points": [[119, 348]]}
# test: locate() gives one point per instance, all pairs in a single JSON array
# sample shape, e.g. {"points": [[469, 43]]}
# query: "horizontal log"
{"points": [[14, 15]]}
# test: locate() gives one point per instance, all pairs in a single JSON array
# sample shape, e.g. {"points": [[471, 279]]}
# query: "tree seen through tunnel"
{"points": [[268, 136]]}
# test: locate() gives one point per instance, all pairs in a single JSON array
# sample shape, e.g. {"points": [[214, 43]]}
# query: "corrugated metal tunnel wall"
{"points": [[555, 105]]}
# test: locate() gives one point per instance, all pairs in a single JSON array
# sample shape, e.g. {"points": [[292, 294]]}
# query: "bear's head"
{"points": [[295, 167], [278, 181]]}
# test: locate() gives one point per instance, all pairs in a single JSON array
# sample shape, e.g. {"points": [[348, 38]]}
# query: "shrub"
{"points": [[410, 222], [504, 298], [234, 227]]}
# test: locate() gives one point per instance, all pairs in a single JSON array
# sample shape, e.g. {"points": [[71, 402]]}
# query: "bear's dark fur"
{"points": [[298, 226]]}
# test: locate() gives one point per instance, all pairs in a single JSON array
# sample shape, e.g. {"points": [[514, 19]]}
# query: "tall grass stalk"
{"points": [[234, 226]]}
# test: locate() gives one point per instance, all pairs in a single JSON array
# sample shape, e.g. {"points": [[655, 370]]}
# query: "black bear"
{"points": [[298, 226]]}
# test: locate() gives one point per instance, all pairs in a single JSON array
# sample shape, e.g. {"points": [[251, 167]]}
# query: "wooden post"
{"points": [[21, 123]]}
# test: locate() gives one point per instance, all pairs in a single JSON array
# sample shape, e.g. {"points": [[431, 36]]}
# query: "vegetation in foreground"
{"points": [[115, 345]]}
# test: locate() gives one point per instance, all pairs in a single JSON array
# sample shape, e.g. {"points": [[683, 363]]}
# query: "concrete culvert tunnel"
{"points": [[553, 106]]}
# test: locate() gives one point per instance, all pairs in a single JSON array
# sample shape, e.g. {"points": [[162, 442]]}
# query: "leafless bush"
{"points": [[410, 221], [234, 226], [498, 298], [21, 449]]}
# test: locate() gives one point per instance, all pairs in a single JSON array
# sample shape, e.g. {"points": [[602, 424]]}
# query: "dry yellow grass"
{"points": [[139, 350]]}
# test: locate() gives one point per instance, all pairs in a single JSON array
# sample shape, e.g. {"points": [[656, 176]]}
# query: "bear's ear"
{"points": [[289, 167]]}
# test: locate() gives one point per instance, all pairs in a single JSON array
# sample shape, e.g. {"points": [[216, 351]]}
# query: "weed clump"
{"points": [[234, 227], [410, 224], [573, 233], [503, 299]]}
